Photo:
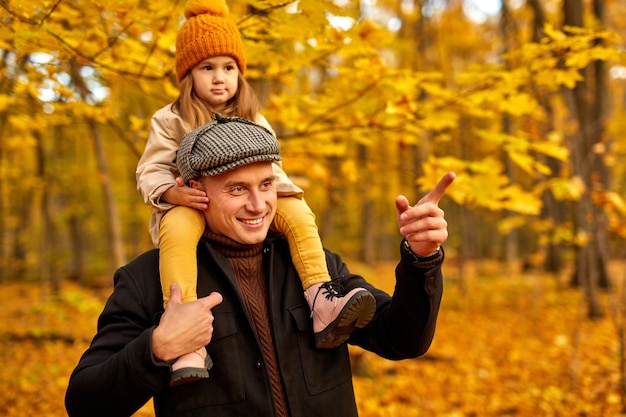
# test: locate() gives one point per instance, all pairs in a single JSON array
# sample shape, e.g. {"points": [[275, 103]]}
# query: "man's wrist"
{"points": [[429, 260], [157, 354]]}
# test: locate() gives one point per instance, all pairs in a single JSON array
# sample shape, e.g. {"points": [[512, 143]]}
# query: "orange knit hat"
{"points": [[207, 32]]}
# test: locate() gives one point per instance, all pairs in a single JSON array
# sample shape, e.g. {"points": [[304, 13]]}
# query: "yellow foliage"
{"points": [[137, 124], [519, 104], [6, 101], [567, 188], [349, 171], [373, 34], [510, 223], [518, 200], [581, 238], [480, 184]]}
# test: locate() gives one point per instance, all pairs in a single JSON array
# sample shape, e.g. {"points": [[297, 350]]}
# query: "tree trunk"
{"points": [[552, 209], [114, 227], [600, 169], [367, 226], [44, 247], [583, 105], [78, 249], [113, 218], [332, 202]]}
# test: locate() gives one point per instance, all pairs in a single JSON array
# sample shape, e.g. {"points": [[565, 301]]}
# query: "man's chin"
{"points": [[251, 238]]}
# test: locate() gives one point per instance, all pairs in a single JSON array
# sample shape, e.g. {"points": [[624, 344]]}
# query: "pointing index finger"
{"points": [[440, 189]]}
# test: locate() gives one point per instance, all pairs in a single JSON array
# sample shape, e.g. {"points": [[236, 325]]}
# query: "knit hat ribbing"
{"points": [[207, 32], [222, 145]]}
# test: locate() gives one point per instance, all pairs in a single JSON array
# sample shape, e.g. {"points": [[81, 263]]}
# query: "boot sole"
{"points": [[185, 375], [356, 314]]}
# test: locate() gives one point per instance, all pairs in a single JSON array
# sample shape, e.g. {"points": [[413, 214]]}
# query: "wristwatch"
{"points": [[428, 260]]}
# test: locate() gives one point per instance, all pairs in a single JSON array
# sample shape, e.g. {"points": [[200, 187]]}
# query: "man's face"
{"points": [[242, 202]]}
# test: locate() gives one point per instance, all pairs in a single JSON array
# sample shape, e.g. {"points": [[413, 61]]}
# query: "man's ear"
{"points": [[196, 184]]}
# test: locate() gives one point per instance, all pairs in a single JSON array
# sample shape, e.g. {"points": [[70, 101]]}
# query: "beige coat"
{"points": [[156, 170]]}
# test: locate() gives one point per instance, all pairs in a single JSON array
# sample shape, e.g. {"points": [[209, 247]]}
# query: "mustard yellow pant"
{"points": [[181, 228]]}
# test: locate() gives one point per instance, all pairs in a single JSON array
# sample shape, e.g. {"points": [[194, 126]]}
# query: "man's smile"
{"points": [[252, 221]]}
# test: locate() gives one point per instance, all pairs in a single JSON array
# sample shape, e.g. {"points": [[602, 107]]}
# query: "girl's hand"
{"points": [[181, 195]]}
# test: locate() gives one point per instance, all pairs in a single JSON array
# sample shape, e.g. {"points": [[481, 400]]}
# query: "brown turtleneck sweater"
{"points": [[247, 264]]}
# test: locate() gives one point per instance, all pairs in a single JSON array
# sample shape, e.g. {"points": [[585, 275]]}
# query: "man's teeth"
{"points": [[252, 221]]}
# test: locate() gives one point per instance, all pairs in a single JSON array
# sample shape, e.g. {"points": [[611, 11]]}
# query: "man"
{"points": [[250, 314]]}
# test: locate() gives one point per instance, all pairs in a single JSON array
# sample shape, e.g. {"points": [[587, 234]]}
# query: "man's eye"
{"points": [[236, 190]]}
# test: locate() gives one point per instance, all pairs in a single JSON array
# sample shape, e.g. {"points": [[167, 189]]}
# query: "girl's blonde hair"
{"points": [[197, 112]]}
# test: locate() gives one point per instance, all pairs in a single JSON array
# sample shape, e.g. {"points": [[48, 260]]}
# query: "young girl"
{"points": [[209, 66]]}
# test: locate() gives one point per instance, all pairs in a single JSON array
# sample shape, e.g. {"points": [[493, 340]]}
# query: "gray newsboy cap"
{"points": [[224, 144]]}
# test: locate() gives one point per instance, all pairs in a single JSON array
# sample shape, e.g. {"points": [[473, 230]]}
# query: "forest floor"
{"points": [[507, 344]]}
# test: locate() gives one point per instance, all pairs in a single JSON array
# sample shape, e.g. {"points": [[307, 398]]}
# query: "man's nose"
{"points": [[256, 202]]}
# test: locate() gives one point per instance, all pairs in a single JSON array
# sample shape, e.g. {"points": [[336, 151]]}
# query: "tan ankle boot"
{"points": [[335, 315], [191, 367]]}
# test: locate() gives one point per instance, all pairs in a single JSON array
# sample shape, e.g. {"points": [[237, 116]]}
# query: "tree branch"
{"points": [[30, 21]]}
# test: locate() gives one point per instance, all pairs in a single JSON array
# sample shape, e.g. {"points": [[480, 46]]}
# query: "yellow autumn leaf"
{"points": [[6, 101], [519, 104], [441, 120], [349, 171], [523, 160], [553, 146], [520, 201], [510, 223], [553, 33], [567, 189], [137, 124]]}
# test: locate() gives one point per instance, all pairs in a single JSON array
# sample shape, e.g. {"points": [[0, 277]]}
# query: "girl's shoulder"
{"points": [[169, 120], [261, 120], [166, 112]]}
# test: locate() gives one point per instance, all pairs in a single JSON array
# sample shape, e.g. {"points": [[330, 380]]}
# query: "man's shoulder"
{"points": [[146, 259], [143, 266]]}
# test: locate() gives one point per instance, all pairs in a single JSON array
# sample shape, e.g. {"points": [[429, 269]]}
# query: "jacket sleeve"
{"points": [[156, 170], [117, 375], [404, 323]]}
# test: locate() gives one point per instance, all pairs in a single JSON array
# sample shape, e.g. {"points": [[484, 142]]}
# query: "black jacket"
{"points": [[118, 373]]}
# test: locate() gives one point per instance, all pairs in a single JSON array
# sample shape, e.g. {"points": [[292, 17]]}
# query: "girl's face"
{"points": [[215, 80]]}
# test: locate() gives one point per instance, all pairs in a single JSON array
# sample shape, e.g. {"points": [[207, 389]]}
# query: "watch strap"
{"points": [[429, 260]]}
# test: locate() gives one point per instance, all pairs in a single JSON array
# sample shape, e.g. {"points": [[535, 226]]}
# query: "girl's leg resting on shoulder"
{"points": [[296, 221], [335, 314], [179, 232]]}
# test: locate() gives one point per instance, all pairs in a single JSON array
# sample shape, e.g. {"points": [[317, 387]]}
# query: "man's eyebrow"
{"points": [[231, 183], [234, 183]]}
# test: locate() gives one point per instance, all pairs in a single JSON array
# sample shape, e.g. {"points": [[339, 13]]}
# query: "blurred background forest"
{"points": [[523, 99]]}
